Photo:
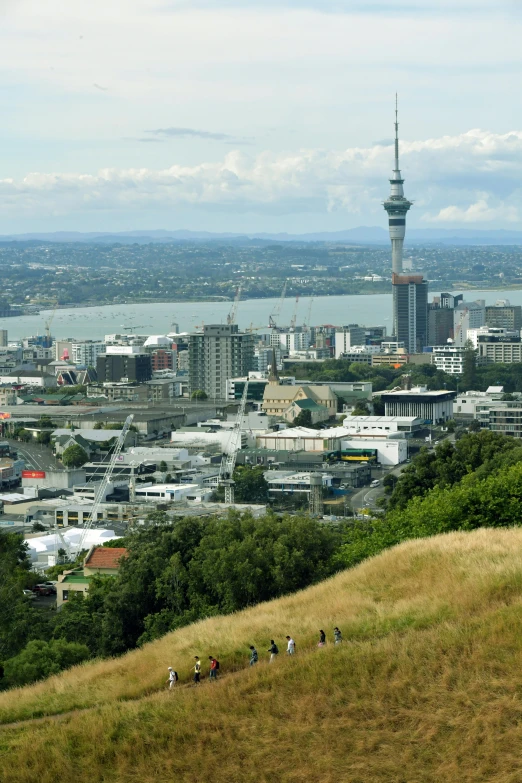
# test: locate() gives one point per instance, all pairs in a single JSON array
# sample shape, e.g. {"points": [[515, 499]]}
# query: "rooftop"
{"points": [[105, 557]]}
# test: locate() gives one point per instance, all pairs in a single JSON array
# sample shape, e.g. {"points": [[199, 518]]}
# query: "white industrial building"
{"points": [[173, 493], [430, 406], [43, 550], [285, 482], [470, 402]]}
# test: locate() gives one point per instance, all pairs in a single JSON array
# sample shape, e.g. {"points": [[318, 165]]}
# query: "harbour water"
{"points": [[157, 318]]}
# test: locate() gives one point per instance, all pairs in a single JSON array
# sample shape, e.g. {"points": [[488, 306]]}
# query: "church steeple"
{"points": [[273, 377]]}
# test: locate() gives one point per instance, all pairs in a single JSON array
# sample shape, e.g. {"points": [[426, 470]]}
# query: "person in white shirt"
{"points": [[291, 645], [173, 678]]}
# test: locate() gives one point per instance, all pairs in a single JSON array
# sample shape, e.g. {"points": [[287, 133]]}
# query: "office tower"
{"points": [[410, 311], [216, 354], [440, 324], [3, 338], [124, 363], [397, 206], [504, 315]]}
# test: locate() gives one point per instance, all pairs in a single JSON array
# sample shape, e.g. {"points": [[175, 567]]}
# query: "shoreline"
{"points": [[221, 299]]}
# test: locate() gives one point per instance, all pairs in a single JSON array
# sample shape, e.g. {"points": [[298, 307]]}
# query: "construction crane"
{"points": [[306, 324], [102, 488], [231, 317], [294, 316], [277, 309], [48, 323], [228, 463]]}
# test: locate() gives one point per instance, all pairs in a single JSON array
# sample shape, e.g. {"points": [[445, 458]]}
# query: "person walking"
{"points": [[291, 646], [253, 655], [214, 667], [273, 650], [322, 639], [173, 678], [197, 670], [338, 637]]}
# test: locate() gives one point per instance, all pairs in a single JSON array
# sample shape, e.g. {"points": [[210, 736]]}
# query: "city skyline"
{"points": [[253, 117]]}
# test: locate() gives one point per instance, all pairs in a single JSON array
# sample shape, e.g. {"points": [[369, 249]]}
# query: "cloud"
{"points": [[479, 212], [191, 133], [99, 87], [472, 177]]}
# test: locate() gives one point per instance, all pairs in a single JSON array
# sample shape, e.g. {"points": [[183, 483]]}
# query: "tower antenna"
{"points": [[397, 205]]}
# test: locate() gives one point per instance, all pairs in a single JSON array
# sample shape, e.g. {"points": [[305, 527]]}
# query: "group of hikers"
{"points": [[254, 657]]}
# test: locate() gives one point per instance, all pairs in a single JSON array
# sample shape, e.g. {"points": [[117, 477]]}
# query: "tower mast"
{"points": [[396, 205]]}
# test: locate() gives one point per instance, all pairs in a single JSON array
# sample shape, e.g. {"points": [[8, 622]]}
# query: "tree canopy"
{"points": [[74, 456]]}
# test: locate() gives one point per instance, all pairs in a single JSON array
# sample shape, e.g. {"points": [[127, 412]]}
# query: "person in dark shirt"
{"points": [[322, 639], [273, 650]]}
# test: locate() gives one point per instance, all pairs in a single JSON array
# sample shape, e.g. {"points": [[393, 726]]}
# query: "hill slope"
{"points": [[426, 687]]}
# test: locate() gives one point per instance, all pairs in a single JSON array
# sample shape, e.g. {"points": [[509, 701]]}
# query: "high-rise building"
{"points": [[396, 205], [504, 315], [347, 337], [3, 338], [124, 364], [217, 353], [440, 324], [410, 311], [86, 352], [467, 315]]}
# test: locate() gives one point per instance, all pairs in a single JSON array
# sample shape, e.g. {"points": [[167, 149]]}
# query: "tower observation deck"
{"points": [[396, 205]]}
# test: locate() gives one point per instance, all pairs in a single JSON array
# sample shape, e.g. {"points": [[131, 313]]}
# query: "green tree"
{"points": [[303, 419], [199, 394], [361, 409], [74, 456], [163, 467], [41, 659]]}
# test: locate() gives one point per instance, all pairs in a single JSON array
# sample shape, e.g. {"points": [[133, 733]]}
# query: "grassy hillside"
{"points": [[426, 687]]}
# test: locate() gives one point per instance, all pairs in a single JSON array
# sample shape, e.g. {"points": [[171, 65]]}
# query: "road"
{"points": [[368, 496], [36, 456]]}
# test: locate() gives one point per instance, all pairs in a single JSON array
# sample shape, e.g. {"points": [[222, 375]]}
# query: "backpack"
{"points": [[175, 676], [217, 665], [275, 649]]}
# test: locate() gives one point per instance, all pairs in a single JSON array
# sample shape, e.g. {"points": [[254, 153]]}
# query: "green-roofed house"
{"points": [[99, 560], [318, 412]]}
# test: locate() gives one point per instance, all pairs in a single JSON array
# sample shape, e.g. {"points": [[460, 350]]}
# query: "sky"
{"points": [[258, 115]]}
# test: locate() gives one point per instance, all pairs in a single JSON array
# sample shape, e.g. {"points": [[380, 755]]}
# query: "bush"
{"points": [[41, 659]]}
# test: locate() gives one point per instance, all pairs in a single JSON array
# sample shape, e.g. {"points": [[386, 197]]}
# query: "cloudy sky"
{"points": [[257, 115]]}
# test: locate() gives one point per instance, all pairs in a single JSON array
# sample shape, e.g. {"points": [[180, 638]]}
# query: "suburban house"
{"points": [[100, 560], [91, 441]]}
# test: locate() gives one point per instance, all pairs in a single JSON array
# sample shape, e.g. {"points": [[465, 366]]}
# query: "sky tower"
{"points": [[397, 206]]}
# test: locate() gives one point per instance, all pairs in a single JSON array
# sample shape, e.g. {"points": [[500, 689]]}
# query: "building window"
{"points": [[65, 595]]}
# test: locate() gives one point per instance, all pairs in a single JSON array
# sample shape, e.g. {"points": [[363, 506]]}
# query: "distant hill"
{"points": [[424, 688], [364, 235]]}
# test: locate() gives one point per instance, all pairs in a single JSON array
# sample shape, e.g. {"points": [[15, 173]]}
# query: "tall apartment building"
{"points": [[86, 352], [410, 311], [216, 354], [448, 358], [347, 337], [504, 315], [3, 338]]}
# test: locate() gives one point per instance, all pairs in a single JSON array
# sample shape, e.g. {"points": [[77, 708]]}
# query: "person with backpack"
{"points": [[173, 678], [338, 637], [197, 670], [273, 650], [214, 667], [322, 639], [291, 646], [253, 655]]}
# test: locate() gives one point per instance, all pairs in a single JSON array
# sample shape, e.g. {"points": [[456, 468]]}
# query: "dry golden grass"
{"points": [[426, 687]]}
